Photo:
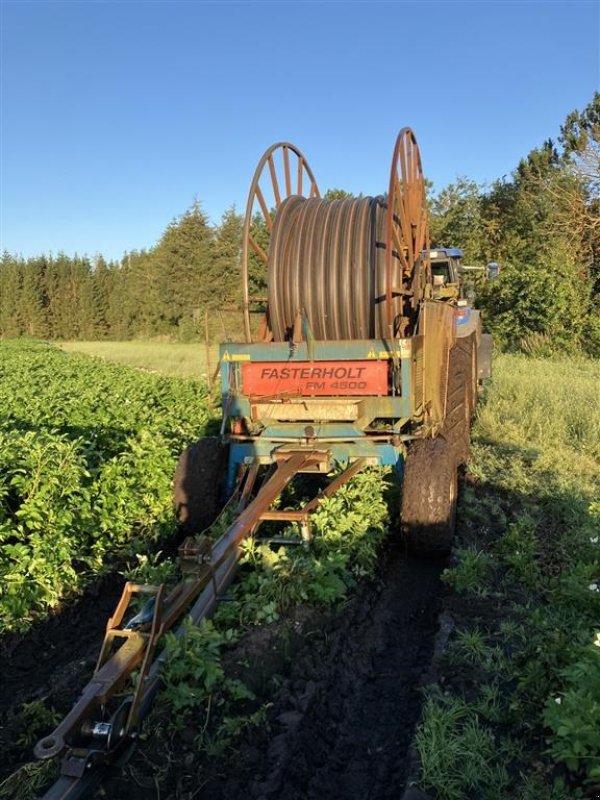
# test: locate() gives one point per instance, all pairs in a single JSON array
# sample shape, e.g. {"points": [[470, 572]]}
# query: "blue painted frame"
{"points": [[345, 442]]}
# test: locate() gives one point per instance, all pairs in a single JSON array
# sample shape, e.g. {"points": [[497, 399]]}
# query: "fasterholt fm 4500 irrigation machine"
{"points": [[362, 351]]}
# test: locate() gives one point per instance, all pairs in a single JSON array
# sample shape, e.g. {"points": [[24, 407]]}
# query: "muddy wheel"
{"points": [[459, 403], [468, 347], [429, 493], [197, 484]]}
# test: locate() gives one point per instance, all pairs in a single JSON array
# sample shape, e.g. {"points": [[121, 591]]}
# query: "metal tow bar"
{"points": [[91, 738]]}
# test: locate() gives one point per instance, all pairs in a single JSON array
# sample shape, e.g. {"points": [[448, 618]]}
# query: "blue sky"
{"points": [[116, 115]]}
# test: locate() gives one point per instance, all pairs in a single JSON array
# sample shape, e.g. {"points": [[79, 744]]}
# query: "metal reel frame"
{"points": [[284, 179], [407, 232]]}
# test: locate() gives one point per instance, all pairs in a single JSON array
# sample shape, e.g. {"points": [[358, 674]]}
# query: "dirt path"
{"points": [[344, 719]]}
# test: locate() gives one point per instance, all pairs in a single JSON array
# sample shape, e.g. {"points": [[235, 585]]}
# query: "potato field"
{"points": [[87, 452]]}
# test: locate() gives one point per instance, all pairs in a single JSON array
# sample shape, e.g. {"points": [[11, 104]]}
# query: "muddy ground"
{"points": [[344, 690], [345, 703], [52, 662]]}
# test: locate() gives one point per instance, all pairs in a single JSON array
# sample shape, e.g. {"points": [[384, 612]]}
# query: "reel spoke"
{"points": [[271, 185], [407, 232]]}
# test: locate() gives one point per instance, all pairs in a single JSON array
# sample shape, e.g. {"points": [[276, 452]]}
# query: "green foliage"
{"points": [[257, 270], [153, 570], [518, 552], [543, 296], [182, 261], [337, 194], [160, 291], [87, 454], [199, 695], [353, 523], [539, 305], [456, 219], [223, 280], [471, 646], [573, 715], [528, 569], [472, 573], [29, 780], [234, 725], [347, 536], [193, 671], [457, 752], [580, 136], [35, 718], [348, 531], [541, 225]]}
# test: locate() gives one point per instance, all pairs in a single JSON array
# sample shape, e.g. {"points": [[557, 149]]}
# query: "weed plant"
{"points": [[28, 781], [348, 531]]}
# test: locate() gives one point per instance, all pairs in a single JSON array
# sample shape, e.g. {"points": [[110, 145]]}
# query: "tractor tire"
{"points": [[429, 489], [197, 484], [460, 401], [468, 346]]}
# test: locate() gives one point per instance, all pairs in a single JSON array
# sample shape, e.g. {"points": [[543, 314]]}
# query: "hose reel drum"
{"points": [[352, 268]]}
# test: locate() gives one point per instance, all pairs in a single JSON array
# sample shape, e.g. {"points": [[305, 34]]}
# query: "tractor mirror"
{"points": [[493, 271]]}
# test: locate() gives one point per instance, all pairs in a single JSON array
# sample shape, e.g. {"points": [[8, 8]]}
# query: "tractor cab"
{"points": [[445, 271]]}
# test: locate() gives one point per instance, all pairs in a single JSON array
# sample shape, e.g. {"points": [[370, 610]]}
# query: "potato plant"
{"points": [[87, 454]]}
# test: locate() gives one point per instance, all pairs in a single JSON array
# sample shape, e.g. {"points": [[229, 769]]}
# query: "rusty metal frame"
{"points": [[282, 186], [406, 234], [303, 515], [207, 569]]}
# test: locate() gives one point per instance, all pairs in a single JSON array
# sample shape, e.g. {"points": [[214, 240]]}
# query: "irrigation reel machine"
{"points": [[363, 357]]}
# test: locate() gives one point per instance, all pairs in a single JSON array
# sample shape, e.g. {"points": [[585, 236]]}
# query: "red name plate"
{"points": [[274, 378]]}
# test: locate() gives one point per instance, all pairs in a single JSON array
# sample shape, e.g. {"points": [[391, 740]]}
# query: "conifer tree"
{"points": [[84, 298], [224, 274], [11, 274], [100, 278], [33, 303], [183, 265]]}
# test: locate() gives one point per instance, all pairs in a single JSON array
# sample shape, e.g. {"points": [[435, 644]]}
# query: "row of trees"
{"points": [[542, 225], [149, 293]]}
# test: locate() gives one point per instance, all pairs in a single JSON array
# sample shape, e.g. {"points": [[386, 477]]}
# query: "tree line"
{"points": [[154, 292], [542, 224]]}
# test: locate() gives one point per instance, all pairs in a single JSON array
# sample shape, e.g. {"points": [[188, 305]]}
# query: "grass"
{"points": [[167, 358], [519, 685], [551, 407], [461, 756]]}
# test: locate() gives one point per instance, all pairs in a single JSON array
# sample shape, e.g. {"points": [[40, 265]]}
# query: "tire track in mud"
{"points": [[345, 718]]}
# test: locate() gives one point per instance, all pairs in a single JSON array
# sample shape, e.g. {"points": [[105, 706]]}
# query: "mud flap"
{"points": [[484, 357]]}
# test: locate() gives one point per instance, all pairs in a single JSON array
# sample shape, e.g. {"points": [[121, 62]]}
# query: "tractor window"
{"points": [[441, 271]]}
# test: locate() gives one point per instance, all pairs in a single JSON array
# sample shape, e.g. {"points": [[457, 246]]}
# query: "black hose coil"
{"points": [[327, 260]]}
